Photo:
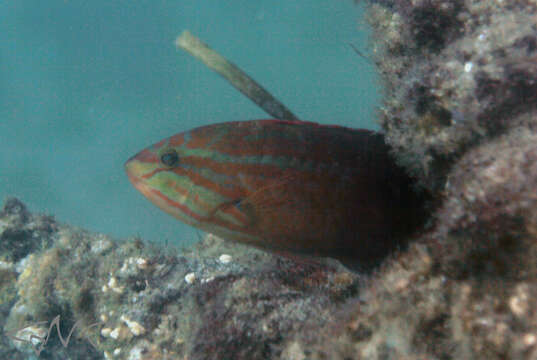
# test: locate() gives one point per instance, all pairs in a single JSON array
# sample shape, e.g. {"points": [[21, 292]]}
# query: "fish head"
{"points": [[184, 176], [160, 174]]}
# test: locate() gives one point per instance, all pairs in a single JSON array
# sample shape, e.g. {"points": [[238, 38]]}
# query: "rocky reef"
{"points": [[130, 300], [460, 112], [456, 74]]}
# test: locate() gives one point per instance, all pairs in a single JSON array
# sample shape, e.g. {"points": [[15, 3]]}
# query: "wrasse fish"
{"points": [[287, 186]]}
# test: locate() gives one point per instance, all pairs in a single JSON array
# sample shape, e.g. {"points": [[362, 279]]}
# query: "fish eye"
{"points": [[170, 158]]}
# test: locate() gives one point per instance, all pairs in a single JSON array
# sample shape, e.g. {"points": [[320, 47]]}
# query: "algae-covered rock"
{"points": [[460, 113], [456, 73], [127, 300]]}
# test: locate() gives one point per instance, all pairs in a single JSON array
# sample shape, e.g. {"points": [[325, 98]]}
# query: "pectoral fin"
{"points": [[270, 204], [272, 198], [231, 211]]}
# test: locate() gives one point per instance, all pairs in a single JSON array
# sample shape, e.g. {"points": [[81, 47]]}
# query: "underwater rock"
{"points": [[455, 73], [460, 113], [128, 300], [468, 288]]}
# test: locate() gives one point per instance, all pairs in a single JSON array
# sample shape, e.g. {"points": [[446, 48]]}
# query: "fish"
{"points": [[290, 187]]}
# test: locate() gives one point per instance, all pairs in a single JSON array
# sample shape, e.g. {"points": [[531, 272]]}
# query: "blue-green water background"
{"points": [[86, 84]]}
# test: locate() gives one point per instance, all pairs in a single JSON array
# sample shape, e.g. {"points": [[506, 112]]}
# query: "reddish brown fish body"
{"points": [[284, 186]]}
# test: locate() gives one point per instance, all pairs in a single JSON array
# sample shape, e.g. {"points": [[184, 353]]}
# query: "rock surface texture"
{"points": [[460, 111], [127, 300]]}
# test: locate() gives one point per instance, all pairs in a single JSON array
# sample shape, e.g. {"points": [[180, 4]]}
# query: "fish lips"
{"points": [[133, 170]]}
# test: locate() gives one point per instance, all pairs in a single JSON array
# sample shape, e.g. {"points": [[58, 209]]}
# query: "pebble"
{"points": [[190, 278], [225, 258]]}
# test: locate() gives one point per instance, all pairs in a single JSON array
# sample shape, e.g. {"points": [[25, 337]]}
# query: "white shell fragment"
{"points": [[135, 327], [190, 278], [225, 258]]}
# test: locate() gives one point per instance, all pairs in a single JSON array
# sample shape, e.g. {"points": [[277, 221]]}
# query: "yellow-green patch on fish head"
{"points": [[188, 177]]}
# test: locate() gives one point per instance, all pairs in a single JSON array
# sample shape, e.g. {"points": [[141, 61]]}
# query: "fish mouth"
{"points": [[132, 168], [129, 169], [135, 180]]}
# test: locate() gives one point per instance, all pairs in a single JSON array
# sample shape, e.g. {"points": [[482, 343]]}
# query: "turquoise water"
{"points": [[86, 84]]}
